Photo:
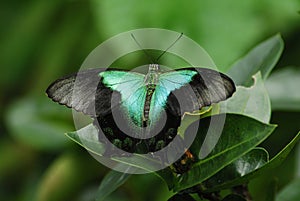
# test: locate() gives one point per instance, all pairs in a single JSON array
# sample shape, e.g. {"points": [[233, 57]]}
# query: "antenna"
{"points": [[169, 47], [146, 53]]}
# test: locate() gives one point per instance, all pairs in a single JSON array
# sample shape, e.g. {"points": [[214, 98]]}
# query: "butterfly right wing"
{"points": [[206, 87]]}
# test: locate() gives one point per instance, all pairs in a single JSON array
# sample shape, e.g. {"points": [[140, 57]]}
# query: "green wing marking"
{"points": [[168, 82], [132, 89]]}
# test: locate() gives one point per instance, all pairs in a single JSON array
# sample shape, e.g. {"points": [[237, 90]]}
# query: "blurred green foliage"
{"points": [[42, 40]]}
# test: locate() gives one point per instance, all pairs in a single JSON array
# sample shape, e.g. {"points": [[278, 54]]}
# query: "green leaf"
{"points": [[35, 122], [239, 135], [262, 58], [283, 86], [253, 101], [110, 183], [181, 197], [189, 118], [274, 162], [231, 174], [290, 192], [233, 197], [87, 137]]}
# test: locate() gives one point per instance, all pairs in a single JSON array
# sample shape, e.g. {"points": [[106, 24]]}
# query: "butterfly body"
{"points": [[151, 80]]}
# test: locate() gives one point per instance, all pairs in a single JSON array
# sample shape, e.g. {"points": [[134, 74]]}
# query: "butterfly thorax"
{"points": [[151, 80], [152, 76]]}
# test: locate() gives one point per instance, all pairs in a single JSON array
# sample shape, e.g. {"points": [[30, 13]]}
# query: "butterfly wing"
{"points": [[95, 91], [85, 92], [195, 88], [206, 87], [167, 83], [132, 89]]}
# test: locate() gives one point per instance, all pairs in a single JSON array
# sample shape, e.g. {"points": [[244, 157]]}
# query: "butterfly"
{"points": [[140, 112]]}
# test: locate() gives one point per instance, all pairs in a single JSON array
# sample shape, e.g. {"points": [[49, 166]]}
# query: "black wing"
{"points": [[84, 92], [206, 87]]}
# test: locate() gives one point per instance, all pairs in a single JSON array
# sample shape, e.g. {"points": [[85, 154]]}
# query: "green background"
{"points": [[42, 40]]}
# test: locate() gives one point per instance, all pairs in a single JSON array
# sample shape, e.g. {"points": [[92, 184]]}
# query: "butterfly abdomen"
{"points": [[149, 94]]}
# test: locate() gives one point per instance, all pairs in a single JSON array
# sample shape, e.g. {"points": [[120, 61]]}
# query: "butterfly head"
{"points": [[153, 68]]}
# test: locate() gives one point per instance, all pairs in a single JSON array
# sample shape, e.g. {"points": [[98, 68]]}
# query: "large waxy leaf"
{"points": [[262, 58], [88, 138], [110, 183], [249, 162], [253, 101], [239, 135], [255, 165]]}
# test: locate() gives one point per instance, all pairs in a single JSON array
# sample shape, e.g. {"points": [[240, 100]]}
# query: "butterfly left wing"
{"points": [[133, 91], [80, 91], [86, 91], [194, 88]]}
